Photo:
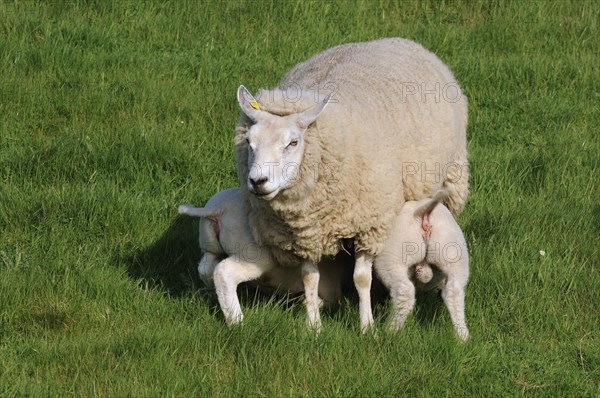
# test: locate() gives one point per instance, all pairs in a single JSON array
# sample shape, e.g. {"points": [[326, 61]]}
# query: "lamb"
{"points": [[426, 238], [335, 150], [230, 257]]}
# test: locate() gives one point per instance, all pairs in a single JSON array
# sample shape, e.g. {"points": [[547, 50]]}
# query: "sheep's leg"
{"points": [[310, 278], [229, 273], [363, 277], [206, 269], [402, 293], [454, 298]]}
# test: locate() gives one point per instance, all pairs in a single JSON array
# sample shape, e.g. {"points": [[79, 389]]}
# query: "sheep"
{"points": [[230, 257], [336, 149], [425, 238]]}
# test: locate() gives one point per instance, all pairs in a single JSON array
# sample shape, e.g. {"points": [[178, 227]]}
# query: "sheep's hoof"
{"points": [[367, 327], [463, 334], [235, 320], [314, 326], [370, 331], [393, 328]]}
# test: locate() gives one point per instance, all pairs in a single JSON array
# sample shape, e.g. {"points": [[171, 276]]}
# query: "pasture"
{"points": [[112, 113]]}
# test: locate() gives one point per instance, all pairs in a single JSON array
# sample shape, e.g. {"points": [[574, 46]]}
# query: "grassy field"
{"points": [[114, 113]]}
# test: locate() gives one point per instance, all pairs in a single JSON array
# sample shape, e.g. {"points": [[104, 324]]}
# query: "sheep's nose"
{"points": [[258, 182]]}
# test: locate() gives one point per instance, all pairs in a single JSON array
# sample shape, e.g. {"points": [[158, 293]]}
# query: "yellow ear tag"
{"points": [[255, 105]]}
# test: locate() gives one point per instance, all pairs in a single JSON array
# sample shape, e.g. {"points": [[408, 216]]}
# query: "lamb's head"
{"points": [[275, 145]]}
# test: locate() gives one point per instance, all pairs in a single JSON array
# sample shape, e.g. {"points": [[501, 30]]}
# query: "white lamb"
{"points": [[425, 238], [315, 175], [230, 257]]}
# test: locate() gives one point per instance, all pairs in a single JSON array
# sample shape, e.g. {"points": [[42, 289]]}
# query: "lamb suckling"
{"points": [[231, 257], [315, 173], [436, 243]]}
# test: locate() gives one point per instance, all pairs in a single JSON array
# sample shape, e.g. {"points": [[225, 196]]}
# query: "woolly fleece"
{"points": [[376, 145]]}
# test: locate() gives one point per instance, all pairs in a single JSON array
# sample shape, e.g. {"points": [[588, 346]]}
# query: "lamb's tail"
{"points": [[457, 184], [423, 271], [190, 210], [428, 207]]}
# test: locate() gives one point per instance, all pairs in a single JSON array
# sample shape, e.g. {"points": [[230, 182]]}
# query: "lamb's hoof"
{"points": [[463, 334], [367, 327], [370, 331], [314, 326], [392, 328], [395, 324], [235, 320]]}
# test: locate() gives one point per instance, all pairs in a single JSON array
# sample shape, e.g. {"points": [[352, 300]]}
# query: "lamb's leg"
{"points": [[310, 278], [363, 277], [206, 269], [454, 298], [229, 273], [402, 293]]}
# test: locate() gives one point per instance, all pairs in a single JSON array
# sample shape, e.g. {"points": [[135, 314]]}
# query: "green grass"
{"points": [[113, 113]]}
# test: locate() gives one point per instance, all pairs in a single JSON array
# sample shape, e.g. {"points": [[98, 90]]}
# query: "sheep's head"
{"points": [[275, 145]]}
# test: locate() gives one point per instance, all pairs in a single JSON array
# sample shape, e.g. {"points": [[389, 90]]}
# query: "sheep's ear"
{"points": [[308, 117], [248, 104]]}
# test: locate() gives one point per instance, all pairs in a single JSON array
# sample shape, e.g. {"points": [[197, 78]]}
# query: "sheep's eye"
{"points": [[247, 141], [293, 143]]}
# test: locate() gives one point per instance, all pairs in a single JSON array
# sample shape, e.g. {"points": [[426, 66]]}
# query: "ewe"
{"points": [[314, 175]]}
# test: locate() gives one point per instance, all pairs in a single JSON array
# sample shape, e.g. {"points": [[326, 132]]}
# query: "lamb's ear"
{"points": [[248, 104], [308, 117]]}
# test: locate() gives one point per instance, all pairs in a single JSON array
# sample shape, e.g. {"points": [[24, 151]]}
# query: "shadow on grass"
{"points": [[428, 307], [171, 262]]}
